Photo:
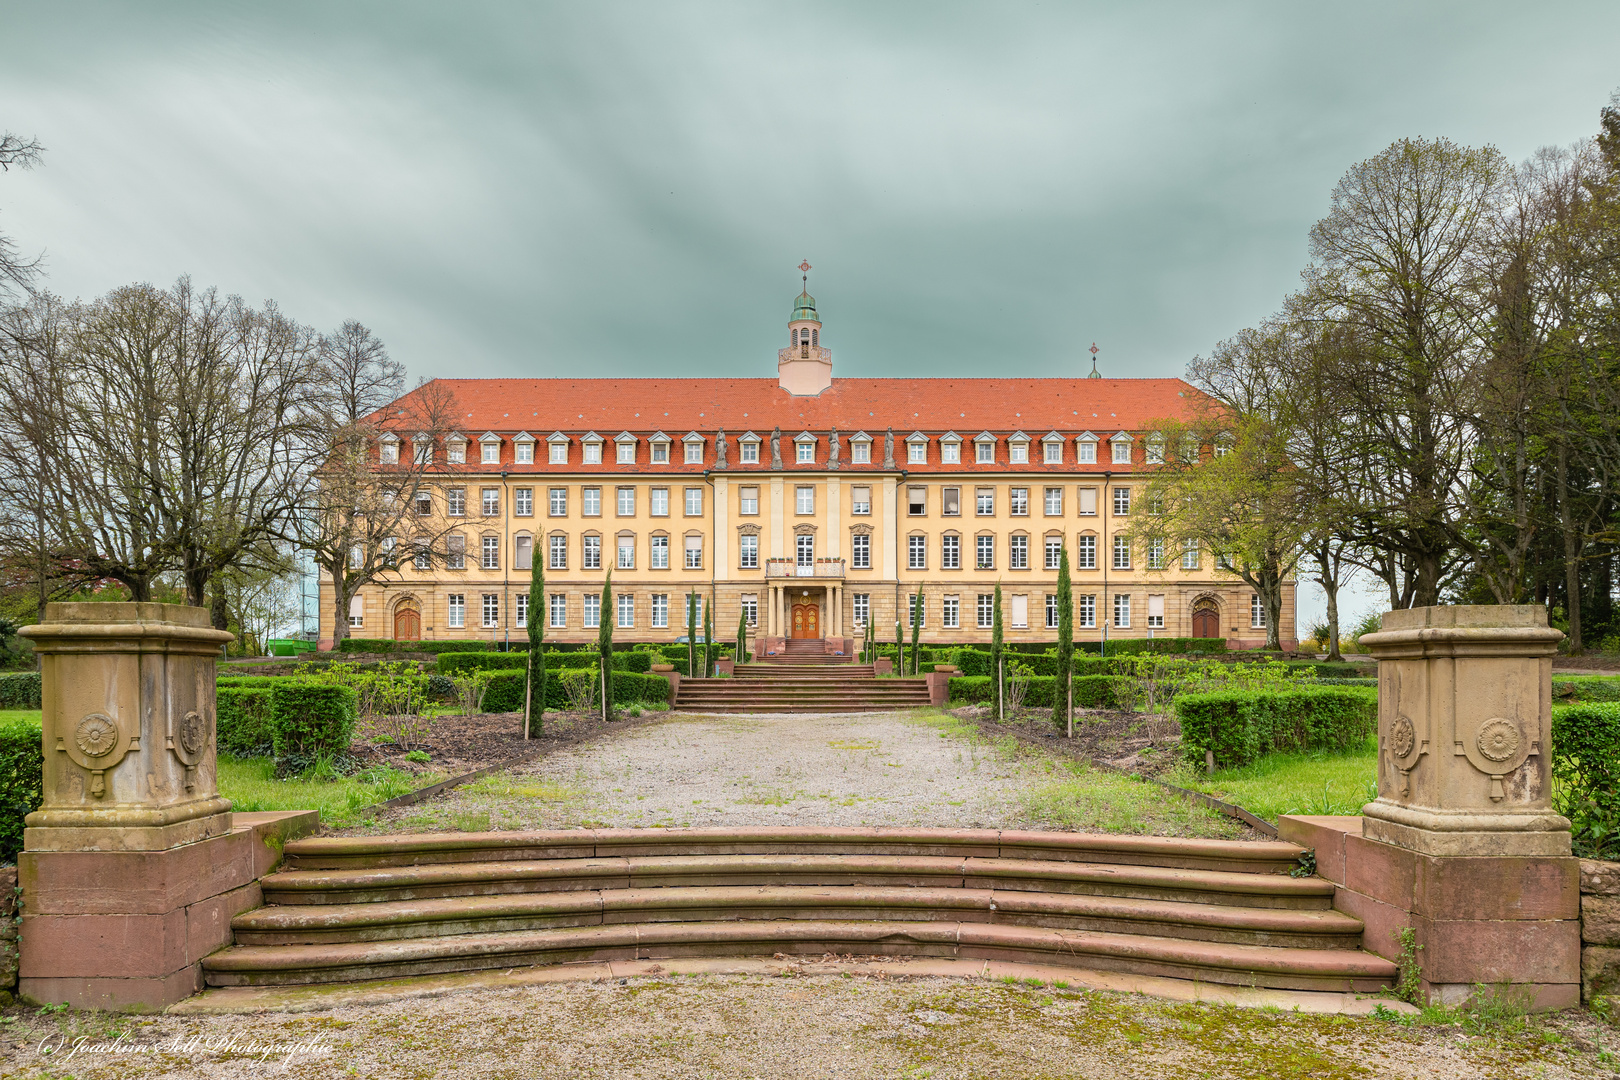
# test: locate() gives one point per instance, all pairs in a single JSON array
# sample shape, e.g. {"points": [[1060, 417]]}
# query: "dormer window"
{"points": [[455, 450], [1121, 444], [804, 449], [984, 449], [748, 449], [917, 449], [950, 450], [489, 450], [1085, 447], [1155, 450], [593, 449], [523, 449], [624, 449], [1018, 449], [694, 449], [388, 450], [422, 448], [860, 449], [557, 449]]}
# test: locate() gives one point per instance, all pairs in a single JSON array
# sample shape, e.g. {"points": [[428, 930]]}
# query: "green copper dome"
{"points": [[804, 309]]}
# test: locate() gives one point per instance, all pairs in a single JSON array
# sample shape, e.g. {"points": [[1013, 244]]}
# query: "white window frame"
{"points": [[985, 611], [748, 452], [984, 552], [489, 451], [1018, 551], [658, 554], [456, 611], [523, 451], [1122, 611], [625, 547], [559, 610], [1257, 612], [1122, 502], [1086, 450], [557, 549], [860, 453], [748, 551], [804, 499], [626, 605], [916, 552], [490, 609], [523, 502], [950, 612], [1086, 611], [950, 551], [521, 607], [557, 502], [1121, 559], [694, 502], [860, 551], [1120, 450], [862, 608], [489, 501], [660, 611], [1085, 552], [693, 557], [590, 552], [489, 553], [592, 614], [625, 499]]}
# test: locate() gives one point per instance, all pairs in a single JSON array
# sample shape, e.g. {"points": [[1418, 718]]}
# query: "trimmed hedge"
{"points": [[388, 645], [243, 712], [22, 781], [1166, 645], [20, 690], [310, 720], [1240, 726], [1090, 691], [1586, 688], [450, 663], [1586, 763], [505, 693]]}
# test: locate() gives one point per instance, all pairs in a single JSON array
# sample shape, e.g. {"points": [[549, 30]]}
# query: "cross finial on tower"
{"points": [[804, 269], [1094, 374]]}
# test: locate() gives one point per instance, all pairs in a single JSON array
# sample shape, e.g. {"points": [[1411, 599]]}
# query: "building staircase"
{"points": [[803, 677], [346, 909]]}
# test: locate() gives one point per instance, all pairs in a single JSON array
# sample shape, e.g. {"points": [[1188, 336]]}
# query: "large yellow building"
{"points": [[810, 503]]}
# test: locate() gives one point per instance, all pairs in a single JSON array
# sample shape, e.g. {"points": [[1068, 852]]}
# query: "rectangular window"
{"points": [[1019, 616], [1018, 453], [950, 501], [557, 502], [916, 501], [455, 552], [804, 500], [1155, 456], [491, 501], [748, 497], [1051, 611], [658, 452], [1122, 501], [455, 501], [805, 452], [593, 553], [456, 452], [523, 553], [491, 553], [748, 546], [1054, 502], [522, 601], [694, 452], [1052, 452], [424, 504], [458, 611], [950, 613], [1257, 612], [984, 502], [1190, 559], [524, 452], [557, 453], [916, 611], [750, 607], [1155, 555], [627, 610], [917, 453], [660, 611], [591, 498], [986, 547], [985, 610], [1087, 611], [950, 552], [1122, 610], [559, 609], [489, 452], [860, 500], [950, 453], [694, 502], [694, 552], [389, 453], [1088, 502], [660, 553], [559, 553], [492, 609], [659, 502], [748, 453], [625, 453], [1156, 612], [424, 557], [593, 453], [523, 502], [1054, 552], [1018, 553], [984, 452], [593, 611], [1122, 455], [1122, 553], [916, 552], [860, 552], [1018, 501], [805, 550], [627, 553], [863, 608], [1085, 555], [861, 453], [1088, 451], [627, 502]]}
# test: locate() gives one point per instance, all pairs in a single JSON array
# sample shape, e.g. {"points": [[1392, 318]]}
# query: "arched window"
{"points": [[795, 337], [815, 337]]}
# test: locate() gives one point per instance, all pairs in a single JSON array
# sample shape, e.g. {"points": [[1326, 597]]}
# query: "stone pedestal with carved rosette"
{"points": [[1462, 846], [133, 865]]}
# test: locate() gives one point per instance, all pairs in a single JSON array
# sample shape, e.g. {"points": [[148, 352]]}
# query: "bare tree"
{"points": [[16, 272]]}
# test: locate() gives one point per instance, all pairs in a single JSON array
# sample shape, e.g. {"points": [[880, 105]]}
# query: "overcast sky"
{"points": [[598, 188]]}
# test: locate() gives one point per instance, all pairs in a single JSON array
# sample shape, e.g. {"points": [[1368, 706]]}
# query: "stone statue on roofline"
{"points": [[888, 449], [832, 453], [776, 448], [720, 449]]}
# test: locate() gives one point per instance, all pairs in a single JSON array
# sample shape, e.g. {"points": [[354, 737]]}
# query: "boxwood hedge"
{"points": [[1240, 726], [1090, 691], [310, 720], [20, 690], [450, 663], [244, 728], [22, 772]]}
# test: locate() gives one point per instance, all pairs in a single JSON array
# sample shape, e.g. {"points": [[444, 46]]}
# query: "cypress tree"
{"points": [[741, 654], [708, 640], [995, 652], [1065, 645], [691, 635], [916, 628], [537, 655], [899, 648], [604, 646]]}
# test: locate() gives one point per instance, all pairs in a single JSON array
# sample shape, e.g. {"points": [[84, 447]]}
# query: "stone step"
{"points": [[395, 920], [1234, 964], [349, 886]]}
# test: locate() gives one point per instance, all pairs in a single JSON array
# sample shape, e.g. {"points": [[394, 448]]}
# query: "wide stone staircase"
{"points": [[347, 909], [804, 677]]}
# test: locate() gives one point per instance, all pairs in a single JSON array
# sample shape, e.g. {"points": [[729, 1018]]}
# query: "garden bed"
{"points": [[457, 744]]}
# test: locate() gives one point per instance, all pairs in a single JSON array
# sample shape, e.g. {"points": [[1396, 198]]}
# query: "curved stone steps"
{"points": [[393, 920], [1235, 964]]}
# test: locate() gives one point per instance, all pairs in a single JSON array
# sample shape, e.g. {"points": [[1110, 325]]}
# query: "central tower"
{"points": [[804, 368]]}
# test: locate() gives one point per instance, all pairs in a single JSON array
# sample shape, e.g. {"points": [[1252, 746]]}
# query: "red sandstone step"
{"points": [[313, 924], [1258, 965]]}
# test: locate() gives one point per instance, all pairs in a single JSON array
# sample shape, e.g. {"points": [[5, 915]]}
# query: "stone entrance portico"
{"points": [[818, 586]]}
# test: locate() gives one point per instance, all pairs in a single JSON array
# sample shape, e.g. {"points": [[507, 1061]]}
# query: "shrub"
{"points": [[633, 687], [451, 663], [471, 686], [579, 686], [1090, 691], [310, 721], [20, 691], [362, 644], [1586, 775], [1241, 725], [505, 692], [243, 719], [22, 781], [1588, 688], [388, 645], [1166, 645]]}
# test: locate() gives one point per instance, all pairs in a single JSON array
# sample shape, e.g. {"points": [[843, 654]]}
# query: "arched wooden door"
{"points": [[807, 620], [1206, 623], [407, 625]]}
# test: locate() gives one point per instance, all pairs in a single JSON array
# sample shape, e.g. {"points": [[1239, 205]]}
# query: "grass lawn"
{"points": [[1313, 783], [250, 784], [11, 715]]}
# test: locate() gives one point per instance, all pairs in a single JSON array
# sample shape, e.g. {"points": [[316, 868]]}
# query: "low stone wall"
{"points": [[1600, 929], [8, 934]]}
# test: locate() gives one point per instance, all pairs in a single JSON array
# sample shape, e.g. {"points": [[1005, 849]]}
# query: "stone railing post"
{"points": [[133, 865]]}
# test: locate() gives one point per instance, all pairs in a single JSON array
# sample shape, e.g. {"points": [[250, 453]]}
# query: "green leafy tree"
{"points": [[604, 646], [537, 654], [916, 627], [1065, 645], [995, 653]]}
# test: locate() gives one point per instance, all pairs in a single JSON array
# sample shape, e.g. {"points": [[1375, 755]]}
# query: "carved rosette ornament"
{"points": [[188, 741], [1405, 750], [1497, 748], [98, 744]]}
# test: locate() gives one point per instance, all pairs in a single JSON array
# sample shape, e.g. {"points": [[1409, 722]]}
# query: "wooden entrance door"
{"points": [[806, 620], [1206, 623], [407, 625]]}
